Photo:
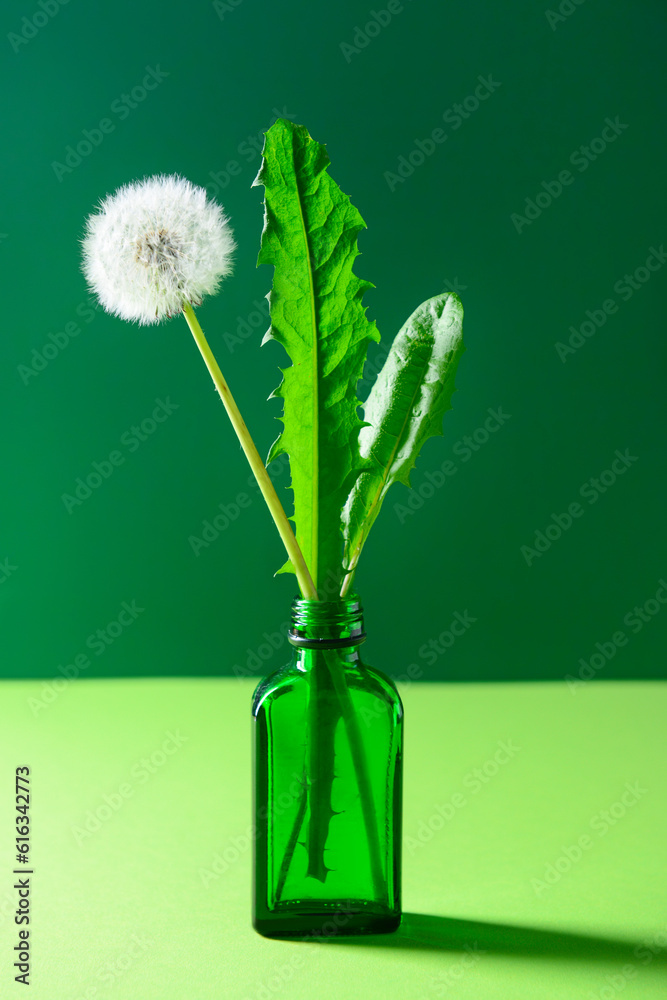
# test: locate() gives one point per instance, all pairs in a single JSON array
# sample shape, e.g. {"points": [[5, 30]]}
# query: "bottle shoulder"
{"points": [[282, 678], [384, 687], [358, 675]]}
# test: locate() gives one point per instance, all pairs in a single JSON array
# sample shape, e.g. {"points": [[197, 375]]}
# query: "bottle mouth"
{"points": [[304, 642], [327, 624]]}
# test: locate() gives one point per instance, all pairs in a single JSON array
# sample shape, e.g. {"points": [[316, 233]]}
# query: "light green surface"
{"points": [[141, 876]]}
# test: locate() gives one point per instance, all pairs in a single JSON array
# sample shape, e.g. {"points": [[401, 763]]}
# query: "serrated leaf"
{"points": [[404, 409], [310, 236], [287, 567]]}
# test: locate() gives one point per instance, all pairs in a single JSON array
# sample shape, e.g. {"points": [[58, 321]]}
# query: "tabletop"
{"points": [[534, 850]]}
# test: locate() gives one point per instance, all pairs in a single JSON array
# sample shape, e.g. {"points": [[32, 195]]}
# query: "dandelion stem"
{"points": [[294, 552], [319, 769]]}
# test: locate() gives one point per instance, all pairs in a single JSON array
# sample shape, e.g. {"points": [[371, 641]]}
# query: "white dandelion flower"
{"points": [[154, 246]]}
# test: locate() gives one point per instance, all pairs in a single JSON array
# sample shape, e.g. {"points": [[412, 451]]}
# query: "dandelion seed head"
{"points": [[154, 245]]}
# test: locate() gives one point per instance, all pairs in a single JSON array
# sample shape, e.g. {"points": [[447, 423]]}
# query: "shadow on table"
{"points": [[432, 933]]}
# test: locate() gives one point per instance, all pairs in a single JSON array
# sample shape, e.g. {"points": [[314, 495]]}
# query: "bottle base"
{"points": [[333, 919]]}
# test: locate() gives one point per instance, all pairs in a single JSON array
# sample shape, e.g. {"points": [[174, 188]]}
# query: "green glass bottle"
{"points": [[327, 774]]}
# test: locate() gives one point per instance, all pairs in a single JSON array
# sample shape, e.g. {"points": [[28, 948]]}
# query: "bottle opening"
{"points": [[327, 624]]}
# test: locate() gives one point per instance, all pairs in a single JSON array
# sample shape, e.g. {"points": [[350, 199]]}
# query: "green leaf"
{"points": [[310, 236], [404, 409]]}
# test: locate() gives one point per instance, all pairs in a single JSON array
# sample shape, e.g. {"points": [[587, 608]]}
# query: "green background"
{"points": [[446, 226]]}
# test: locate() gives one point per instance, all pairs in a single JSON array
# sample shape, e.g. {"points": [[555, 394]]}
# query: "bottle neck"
{"points": [[327, 624]]}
